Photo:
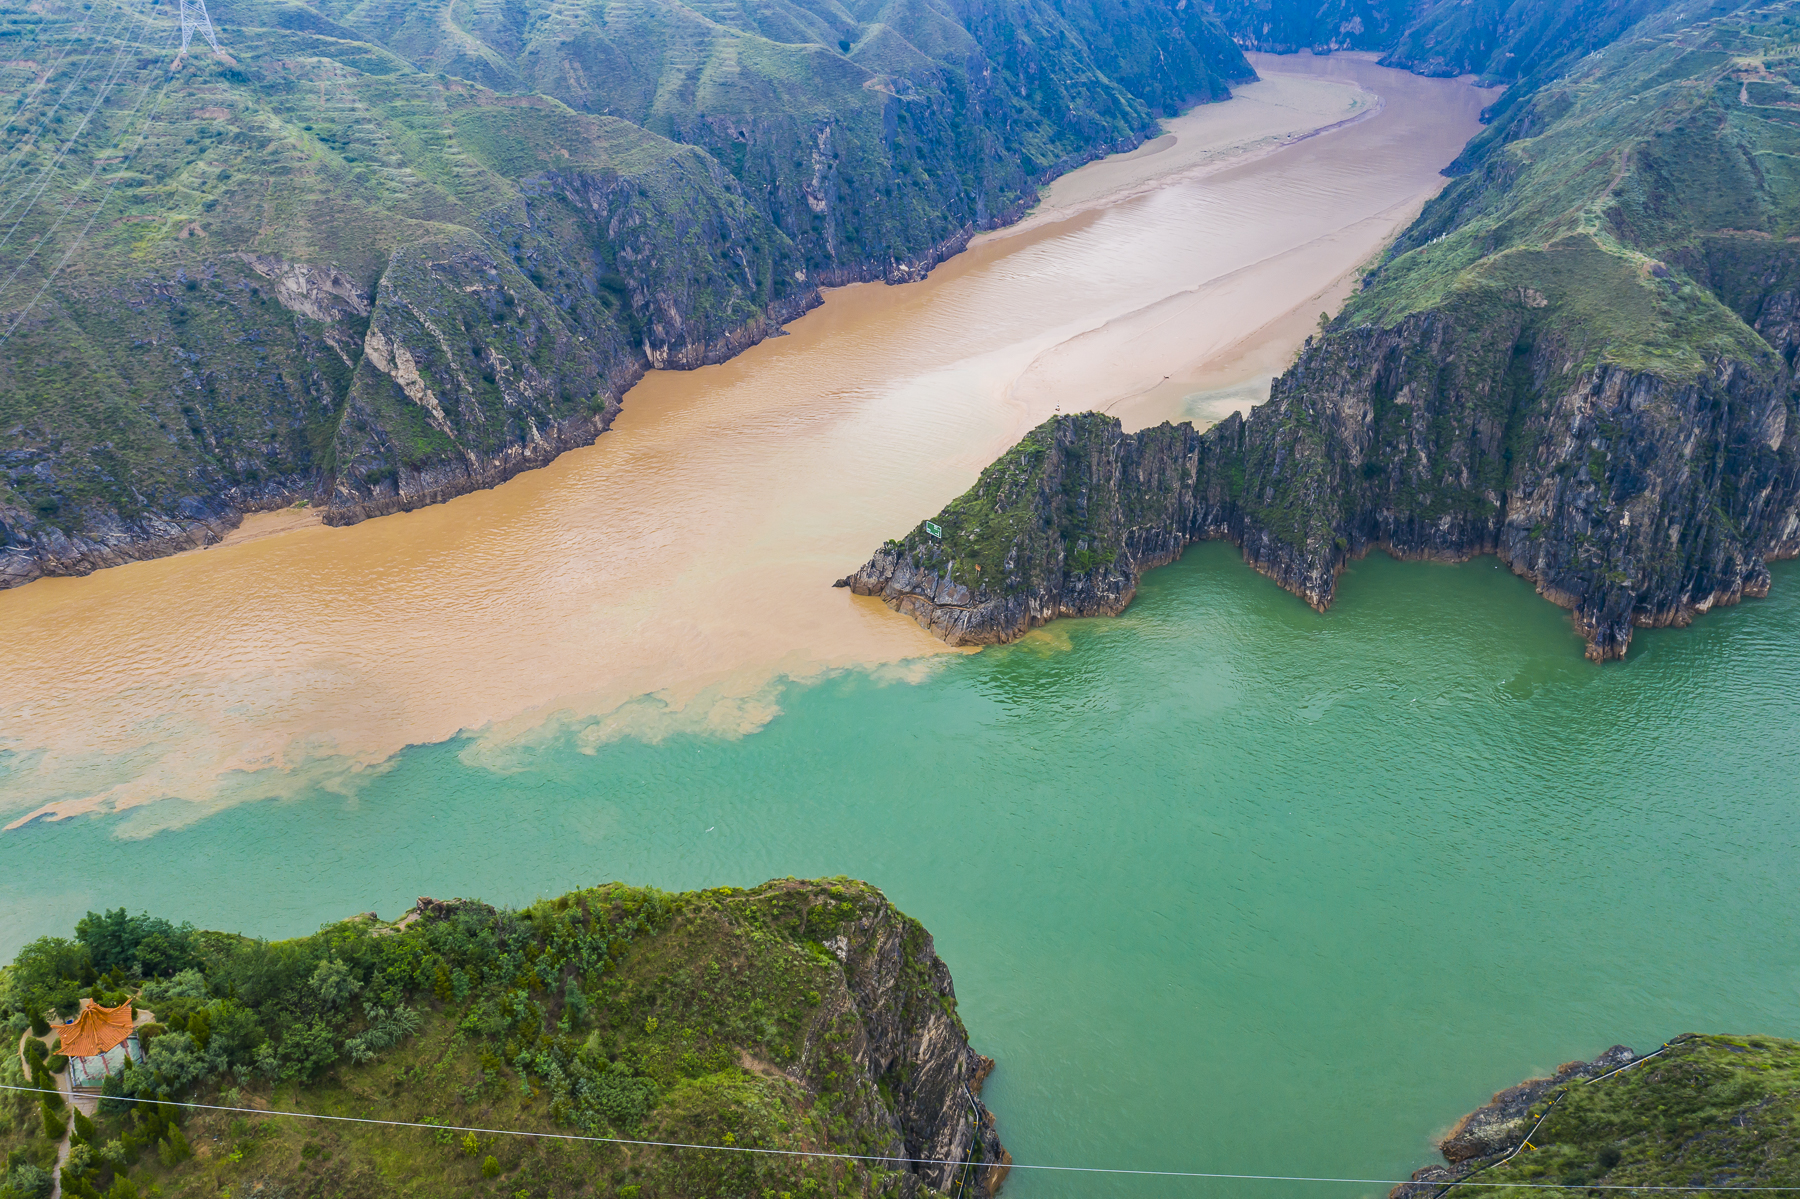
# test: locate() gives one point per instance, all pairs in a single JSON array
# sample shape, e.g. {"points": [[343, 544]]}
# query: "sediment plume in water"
{"points": [[687, 556]]}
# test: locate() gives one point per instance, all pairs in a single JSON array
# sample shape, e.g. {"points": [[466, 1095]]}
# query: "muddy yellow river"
{"points": [[689, 554]]}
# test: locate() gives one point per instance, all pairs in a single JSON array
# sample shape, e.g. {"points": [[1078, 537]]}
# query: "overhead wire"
{"points": [[891, 1160], [77, 34], [22, 149], [56, 164], [49, 276]]}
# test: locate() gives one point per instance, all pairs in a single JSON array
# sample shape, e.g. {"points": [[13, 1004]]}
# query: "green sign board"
{"points": [[932, 528]]}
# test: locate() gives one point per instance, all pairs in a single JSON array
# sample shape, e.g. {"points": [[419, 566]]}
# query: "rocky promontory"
{"points": [[1590, 375], [800, 1037], [1701, 1111]]}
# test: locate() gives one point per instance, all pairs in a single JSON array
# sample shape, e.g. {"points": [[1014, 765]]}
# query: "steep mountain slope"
{"points": [[387, 253], [809, 1017], [1581, 358], [1498, 40]]}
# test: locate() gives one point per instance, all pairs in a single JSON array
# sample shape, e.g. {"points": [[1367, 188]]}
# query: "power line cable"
{"points": [[18, 155], [75, 196], [24, 51], [143, 134], [56, 164], [880, 1159]]}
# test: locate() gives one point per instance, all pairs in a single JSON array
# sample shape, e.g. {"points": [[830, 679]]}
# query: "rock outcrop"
{"points": [[1498, 1128], [1702, 1110], [800, 1037], [911, 1045], [1589, 374]]}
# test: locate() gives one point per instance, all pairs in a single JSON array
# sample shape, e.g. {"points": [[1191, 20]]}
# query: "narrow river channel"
{"points": [[1226, 885], [690, 552]]}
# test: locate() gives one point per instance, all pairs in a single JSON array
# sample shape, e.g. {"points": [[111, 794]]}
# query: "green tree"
{"points": [[55, 1122], [84, 1127], [28, 1181], [491, 1167], [47, 974], [232, 1031], [144, 944], [470, 1146], [175, 1148], [334, 984]]}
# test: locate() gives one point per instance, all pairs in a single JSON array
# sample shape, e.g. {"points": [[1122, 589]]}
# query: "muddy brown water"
{"points": [[689, 553]]}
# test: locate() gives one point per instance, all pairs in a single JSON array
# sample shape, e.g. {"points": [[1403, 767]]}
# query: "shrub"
{"points": [[78, 1187], [174, 1149], [56, 1063], [40, 1078], [186, 984], [55, 1122], [471, 1146], [28, 1182], [40, 1027], [112, 1090], [491, 1167]]}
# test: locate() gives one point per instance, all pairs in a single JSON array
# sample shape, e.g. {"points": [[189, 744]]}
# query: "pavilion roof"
{"points": [[95, 1029]]}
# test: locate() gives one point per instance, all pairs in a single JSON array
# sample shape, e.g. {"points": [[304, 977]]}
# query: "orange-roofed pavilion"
{"points": [[95, 1030]]}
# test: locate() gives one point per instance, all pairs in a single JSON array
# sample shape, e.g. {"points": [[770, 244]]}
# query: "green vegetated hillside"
{"points": [[804, 1016], [384, 253], [1580, 358], [1497, 40], [1706, 1111]]}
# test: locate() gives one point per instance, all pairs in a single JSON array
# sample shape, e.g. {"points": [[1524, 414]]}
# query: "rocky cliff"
{"points": [[1500, 41], [1701, 1111], [1580, 358], [379, 256], [798, 1037]]}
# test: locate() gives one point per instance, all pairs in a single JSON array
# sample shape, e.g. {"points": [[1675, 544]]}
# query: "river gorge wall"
{"points": [[403, 284], [1629, 499], [1589, 373]]}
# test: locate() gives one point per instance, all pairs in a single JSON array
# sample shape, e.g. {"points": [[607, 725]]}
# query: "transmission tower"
{"points": [[193, 16]]}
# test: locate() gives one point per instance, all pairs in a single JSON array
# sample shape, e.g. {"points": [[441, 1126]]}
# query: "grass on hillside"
{"points": [[716, 1018], [1714, 1111]]}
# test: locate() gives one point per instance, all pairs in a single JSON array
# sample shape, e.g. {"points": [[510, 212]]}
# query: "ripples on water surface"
{"points": [[1225, 884]]}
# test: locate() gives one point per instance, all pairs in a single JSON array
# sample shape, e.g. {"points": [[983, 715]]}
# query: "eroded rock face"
{"points": [[323, 293], [1063, 525], [909, 1040], [31, 550], [366, 330], [1630, 499], [1497, 1128]]}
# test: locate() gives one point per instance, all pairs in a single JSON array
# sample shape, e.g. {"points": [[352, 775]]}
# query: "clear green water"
{"points": [[1225, 884]]}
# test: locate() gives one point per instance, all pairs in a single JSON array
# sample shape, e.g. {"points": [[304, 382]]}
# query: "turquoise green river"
{"points": [[1226, 885]]}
